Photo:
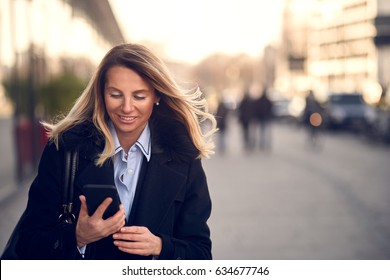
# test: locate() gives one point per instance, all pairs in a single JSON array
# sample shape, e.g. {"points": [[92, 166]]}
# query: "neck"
{"points": [[126, 141]]}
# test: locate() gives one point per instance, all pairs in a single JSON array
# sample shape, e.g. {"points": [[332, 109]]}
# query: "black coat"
{"points": [[172, 197]]}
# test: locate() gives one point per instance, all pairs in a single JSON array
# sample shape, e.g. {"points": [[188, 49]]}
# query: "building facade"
{"points": [[338, 45], [52, 34]]}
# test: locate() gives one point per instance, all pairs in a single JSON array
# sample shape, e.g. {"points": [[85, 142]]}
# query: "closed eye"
{"points": [[115, 94], [139, 97]]}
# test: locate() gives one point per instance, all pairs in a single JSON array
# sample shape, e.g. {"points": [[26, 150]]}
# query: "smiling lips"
{"points": [[127, 119]]}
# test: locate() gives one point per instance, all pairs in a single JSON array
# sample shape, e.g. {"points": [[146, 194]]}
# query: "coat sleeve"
{"points": [[191, 237], [40, 230]]}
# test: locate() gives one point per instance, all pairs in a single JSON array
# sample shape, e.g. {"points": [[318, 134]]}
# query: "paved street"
{"points": [[300, 203], [7, 158], [293, 202]]}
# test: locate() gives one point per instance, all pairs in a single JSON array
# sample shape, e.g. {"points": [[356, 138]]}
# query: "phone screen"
{"points": [[96, 194]]}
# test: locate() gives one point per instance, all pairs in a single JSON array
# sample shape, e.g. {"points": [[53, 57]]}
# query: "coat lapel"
{"points": [[161, 186]]}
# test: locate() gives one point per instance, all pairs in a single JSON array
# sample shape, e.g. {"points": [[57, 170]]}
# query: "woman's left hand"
{"points": [[138, 241]]}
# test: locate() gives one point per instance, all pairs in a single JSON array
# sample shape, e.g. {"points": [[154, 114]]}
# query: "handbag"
{"points": [[66, 217]]}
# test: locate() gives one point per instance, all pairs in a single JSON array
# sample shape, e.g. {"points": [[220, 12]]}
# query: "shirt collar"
{"points": [[143, 142]]}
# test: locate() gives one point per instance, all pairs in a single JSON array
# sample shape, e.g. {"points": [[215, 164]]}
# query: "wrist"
{"points": [[79, 240]]}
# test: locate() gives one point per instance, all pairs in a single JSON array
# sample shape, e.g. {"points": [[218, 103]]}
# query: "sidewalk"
{"points": [[7, 159], [8, 191], [13, 201], [9, 181]]}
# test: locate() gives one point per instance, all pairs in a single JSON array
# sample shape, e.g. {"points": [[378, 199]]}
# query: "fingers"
{"points": [[120, 213], [118, 220], [93, 228], [137, 248], [83, 208], [133, 233], [102, 207], [135, 230], [114, 223], [138, 240]]}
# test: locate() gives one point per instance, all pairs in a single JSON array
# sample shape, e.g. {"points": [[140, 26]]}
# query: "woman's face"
{"points": [[129, 103]]}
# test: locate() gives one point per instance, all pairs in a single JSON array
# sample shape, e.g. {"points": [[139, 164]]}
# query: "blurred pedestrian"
{"points": [[221, 117], [135, 129], [312, 118], [245, 118], [263, 115]]}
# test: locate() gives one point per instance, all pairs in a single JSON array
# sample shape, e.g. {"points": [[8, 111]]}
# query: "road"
{"points": [[298, 203], [293, 202]]}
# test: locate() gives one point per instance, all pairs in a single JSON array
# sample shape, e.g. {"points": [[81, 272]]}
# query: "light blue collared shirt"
{"points": [[127, 166]]}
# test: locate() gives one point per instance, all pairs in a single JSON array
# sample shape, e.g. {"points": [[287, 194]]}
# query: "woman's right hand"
{"points": [[93, 228]]}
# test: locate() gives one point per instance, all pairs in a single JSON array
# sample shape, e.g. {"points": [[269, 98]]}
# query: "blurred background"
{"points": [[300, 88]]}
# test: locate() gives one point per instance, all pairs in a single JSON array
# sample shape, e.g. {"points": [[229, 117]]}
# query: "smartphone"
{"points": [[95, 194]]}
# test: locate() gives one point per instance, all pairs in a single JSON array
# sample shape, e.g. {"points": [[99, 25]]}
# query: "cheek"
{"points": [[110, 104], [149, 109], [145, 107]]}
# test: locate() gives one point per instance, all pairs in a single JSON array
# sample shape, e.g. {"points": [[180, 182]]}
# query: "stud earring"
{"points": [[157, 103]]}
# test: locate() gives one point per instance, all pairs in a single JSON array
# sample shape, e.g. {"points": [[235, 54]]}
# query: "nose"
{"points": [[127, 105]]}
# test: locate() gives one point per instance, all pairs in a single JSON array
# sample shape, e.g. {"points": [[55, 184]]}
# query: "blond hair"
{"points": [[187, 106]]}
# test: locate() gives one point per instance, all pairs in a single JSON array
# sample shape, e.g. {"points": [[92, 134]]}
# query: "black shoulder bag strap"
{"points": [[67, 216], [71, 162]]}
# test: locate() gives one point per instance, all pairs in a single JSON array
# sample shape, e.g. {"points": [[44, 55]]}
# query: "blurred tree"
{"points": [[17, 93], [57, 95], [54, 97]]}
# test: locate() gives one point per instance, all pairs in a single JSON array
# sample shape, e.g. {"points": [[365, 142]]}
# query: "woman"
{"points": [[135, 129]]}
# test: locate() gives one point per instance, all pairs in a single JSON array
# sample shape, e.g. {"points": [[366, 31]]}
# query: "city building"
{"points": [[51, 35], [337, 45]]}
